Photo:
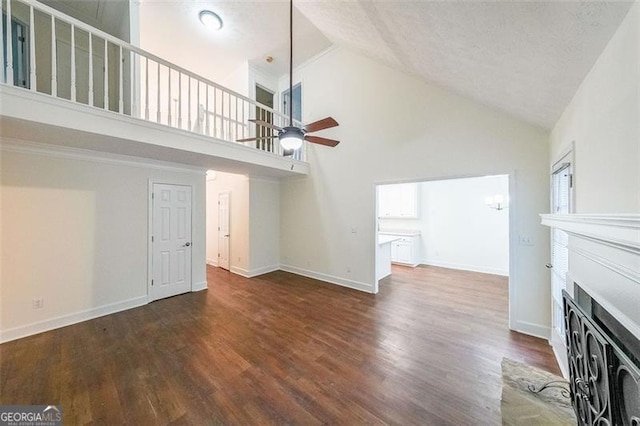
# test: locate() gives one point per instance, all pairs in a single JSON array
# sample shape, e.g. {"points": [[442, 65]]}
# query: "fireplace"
{"points": [[604, 363]]}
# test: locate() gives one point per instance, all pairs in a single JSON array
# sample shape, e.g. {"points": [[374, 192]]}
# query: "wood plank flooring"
{"points": [[283, 349]]}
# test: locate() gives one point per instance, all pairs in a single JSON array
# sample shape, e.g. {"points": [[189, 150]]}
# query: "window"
{"points": [[561, 185]]}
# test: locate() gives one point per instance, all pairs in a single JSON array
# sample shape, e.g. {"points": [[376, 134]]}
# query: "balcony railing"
{"points": [[46, 51]]}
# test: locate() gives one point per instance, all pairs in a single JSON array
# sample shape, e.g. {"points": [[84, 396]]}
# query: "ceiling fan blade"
{"points": [[256, 139], [321, 141], [265, 124], [325, 123]]}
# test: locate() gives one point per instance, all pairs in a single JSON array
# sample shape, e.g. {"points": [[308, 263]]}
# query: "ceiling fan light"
{"points": [[291, 138], [210, 19]]}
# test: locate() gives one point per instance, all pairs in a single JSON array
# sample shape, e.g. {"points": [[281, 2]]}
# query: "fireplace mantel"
{"points": [[604, 260]]}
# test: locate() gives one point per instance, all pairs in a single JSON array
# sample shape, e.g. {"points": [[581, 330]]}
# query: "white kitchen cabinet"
{"points": [[398, 201], [406, 250]]}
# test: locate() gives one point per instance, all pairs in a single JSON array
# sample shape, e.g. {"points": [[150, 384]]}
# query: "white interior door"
{"points": [[171, 240], [223, 230]]}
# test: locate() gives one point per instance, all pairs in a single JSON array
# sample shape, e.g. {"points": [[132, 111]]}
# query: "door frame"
{"points": [[513, 236], [151, 183], [229, 224]]}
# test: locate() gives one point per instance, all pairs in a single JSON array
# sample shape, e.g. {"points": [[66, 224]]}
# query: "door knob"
{"points": [[227, 235], [549, 266], [186, 245]]}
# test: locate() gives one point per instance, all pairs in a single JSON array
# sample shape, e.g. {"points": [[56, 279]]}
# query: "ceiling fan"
{"points": [[291, 137]]}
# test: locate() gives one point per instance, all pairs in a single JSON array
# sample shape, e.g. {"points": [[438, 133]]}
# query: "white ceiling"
{"points": [[252, 31], [523, 57], [106, 15]]}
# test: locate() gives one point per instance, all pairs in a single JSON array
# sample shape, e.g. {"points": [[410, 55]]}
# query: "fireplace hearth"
{"points": [[604, 366]]}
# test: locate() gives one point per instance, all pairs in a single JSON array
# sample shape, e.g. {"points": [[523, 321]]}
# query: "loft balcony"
{"points": [[67, 83]]}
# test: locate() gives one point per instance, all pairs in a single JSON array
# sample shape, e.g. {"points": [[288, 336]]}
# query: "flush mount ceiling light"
{"points": [[210, 19]]}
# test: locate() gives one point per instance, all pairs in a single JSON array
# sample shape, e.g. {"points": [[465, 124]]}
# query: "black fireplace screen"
{"points": [[604, 381]]}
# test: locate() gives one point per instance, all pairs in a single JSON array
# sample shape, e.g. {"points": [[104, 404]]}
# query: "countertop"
{"points": [[385, 239], [399, 232]]}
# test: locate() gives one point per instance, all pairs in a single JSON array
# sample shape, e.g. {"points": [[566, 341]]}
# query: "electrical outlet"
{"points": [[348, 269], [526, 240], [37, 303], [354, 230]]}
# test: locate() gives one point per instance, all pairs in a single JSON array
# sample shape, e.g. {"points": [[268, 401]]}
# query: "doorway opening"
{"points": [[264, 97], [458, 223], [20, 54]]}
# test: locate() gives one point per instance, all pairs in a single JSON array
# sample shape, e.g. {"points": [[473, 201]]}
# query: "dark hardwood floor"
{"points": [[283, 349]]}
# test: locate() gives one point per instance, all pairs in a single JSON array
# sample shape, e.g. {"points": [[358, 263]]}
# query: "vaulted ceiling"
{"points": [[526, 58]]}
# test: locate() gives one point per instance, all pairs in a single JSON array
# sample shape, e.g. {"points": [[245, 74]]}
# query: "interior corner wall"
{"points": [[394, 127], [238, 188], [75, 234], [264, 226], [603, 120]]}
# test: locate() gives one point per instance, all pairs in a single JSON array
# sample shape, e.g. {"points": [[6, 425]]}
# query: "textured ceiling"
{"points": [[252, 31], [523, 57], [526, 58]]}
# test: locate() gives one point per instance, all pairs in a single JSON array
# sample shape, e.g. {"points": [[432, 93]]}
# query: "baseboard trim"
{"points": [[356, 285], [264, 270], [464, 267], [212, 262], [199, 286], [254, 272], [535, 330], [239, 271], [70, 319], [562, 363]]}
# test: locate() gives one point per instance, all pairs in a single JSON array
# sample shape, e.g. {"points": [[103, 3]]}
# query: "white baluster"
{"points": [[189, 105], [133, 105], [73, 63], [244, 125], [199, 107], [106, 74], [54, 59], [146, 89], [215, 113], [33, 83], [9, 43], [222, 127], [91, 103], [237, 121], [2, 38], [206, 117], [229, 119], [169, 98], [158, 115], [121, 83], [179, 100]]}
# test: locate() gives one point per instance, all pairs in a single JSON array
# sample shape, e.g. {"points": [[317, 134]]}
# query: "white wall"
{"points": [[457, 229], [604, 121], [264, 226], [75, 233], [394, 127]]}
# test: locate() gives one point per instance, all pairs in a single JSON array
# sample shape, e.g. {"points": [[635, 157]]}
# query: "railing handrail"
{"points": [[96, 31]]}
